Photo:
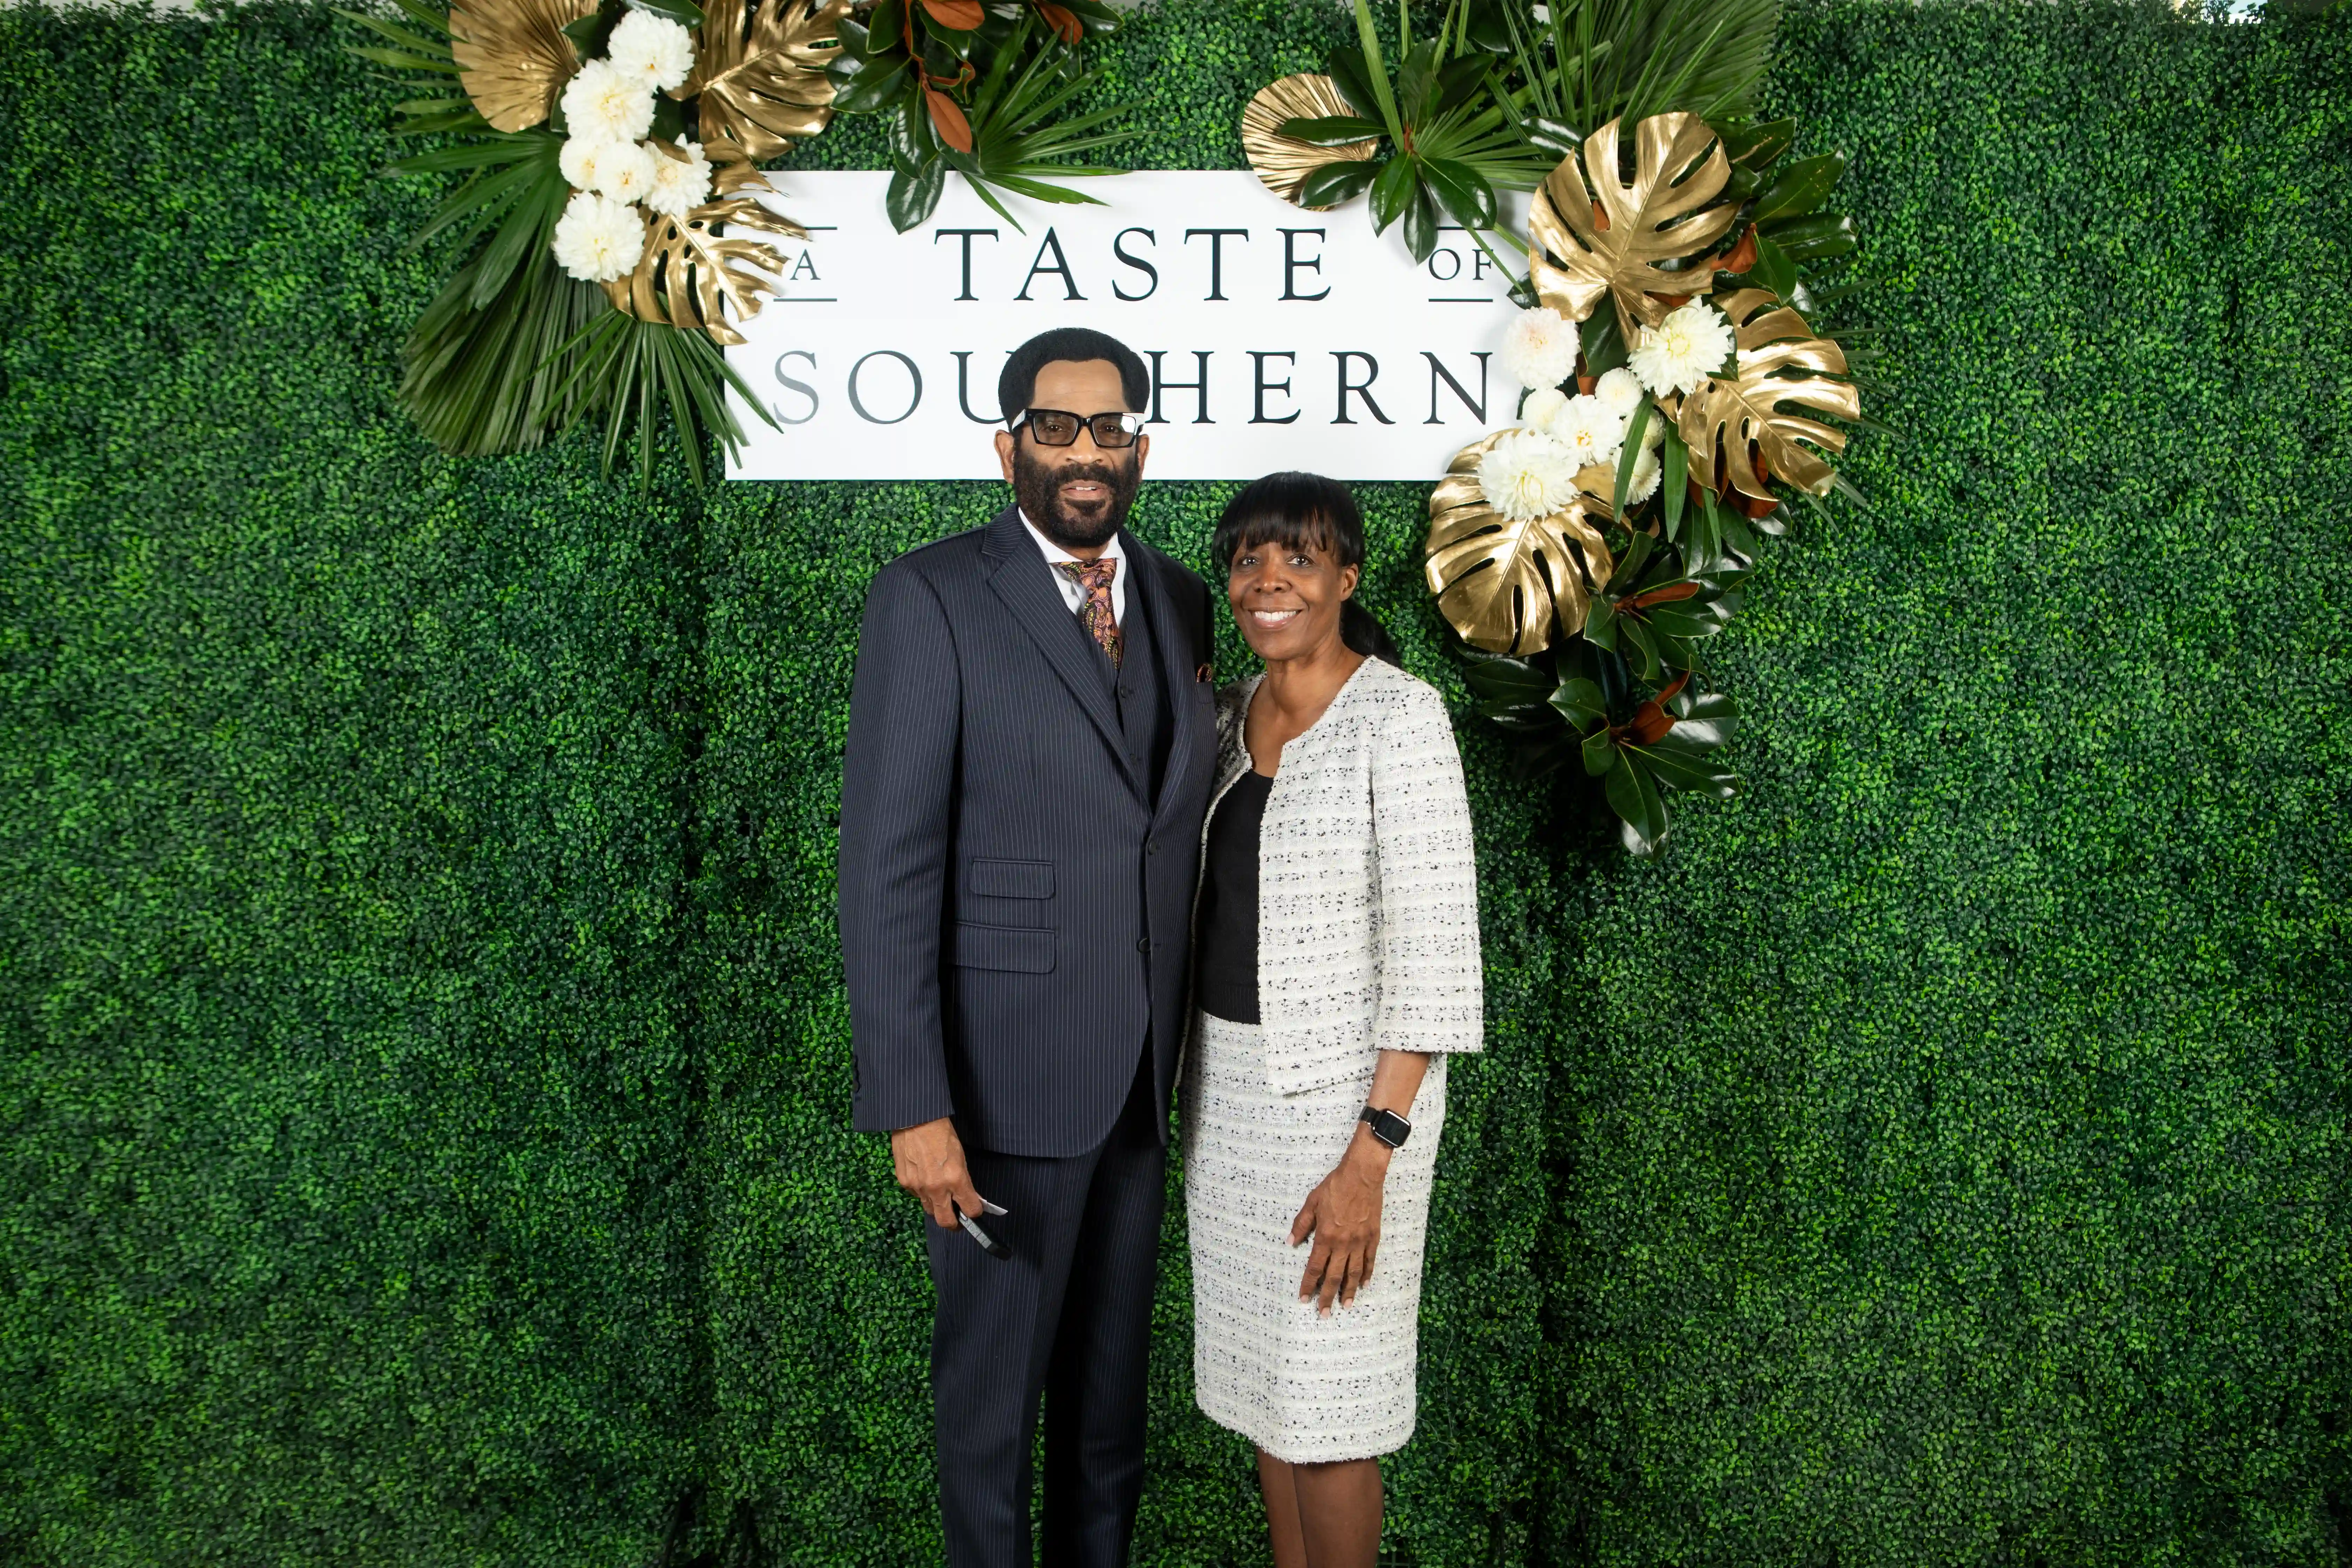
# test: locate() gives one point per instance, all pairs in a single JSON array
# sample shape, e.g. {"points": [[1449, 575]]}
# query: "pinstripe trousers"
{"points": [[1067, 1317]]}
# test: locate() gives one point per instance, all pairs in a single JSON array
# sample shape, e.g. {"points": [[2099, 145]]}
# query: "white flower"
{"points": [[680, 185], [583, 161], [653, 51], [1527, 475], [597, 238], [1542, 407], [627, 172], [1642, 482], [605, 104], [1539, 348], [1620, 392], [1684, 350], [1590, 432]]}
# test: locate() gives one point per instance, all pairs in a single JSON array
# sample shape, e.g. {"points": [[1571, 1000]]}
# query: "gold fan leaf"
{"points": [[693, 277], [762, 77], [1502, 585], [512, 57], [1282, 163], [1578, 254], [1779, 361]]}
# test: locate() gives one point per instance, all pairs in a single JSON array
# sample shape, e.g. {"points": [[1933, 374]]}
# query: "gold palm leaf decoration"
{"points": [[1503, 584], [1280, 162], [512, 57], [1780, 362], [694, 277], [1578, 254], [761, 78]]}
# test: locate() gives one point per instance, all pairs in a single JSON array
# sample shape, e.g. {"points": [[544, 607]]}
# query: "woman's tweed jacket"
{"points": [[1368, 889]]}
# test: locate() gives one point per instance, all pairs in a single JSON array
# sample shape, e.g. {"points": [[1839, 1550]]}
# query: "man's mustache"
{"points": [[1102, 474]]}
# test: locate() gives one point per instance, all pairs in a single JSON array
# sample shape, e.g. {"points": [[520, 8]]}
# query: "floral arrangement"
{"points": [[975, 89], [1676, 380], [609, 218]]}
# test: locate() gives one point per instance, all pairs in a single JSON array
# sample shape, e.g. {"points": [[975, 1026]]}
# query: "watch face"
{"points": [[1388, 1126]]}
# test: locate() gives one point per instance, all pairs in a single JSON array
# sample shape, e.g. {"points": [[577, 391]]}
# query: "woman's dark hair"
{"points": [[1298, 511]]}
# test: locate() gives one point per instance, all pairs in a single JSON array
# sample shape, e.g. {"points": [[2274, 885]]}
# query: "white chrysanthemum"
{"points": [[1542, 407], [1539, 348], [1620, 392], [1527, 475], [680, 185], [583, 161], [1590, 432], [597, 238], [605, 104], [652, 51], [627, 172], [1684, 350], [1642, 482]]}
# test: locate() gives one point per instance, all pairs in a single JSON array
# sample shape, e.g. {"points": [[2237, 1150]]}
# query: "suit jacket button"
{"points": [[1151, 846], [1143, 944]]}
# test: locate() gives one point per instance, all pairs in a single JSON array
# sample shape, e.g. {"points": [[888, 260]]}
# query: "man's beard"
{"points": [[1037, 486]]}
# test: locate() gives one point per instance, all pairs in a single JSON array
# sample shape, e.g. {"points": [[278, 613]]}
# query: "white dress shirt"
{"points": [[1074, 596]]}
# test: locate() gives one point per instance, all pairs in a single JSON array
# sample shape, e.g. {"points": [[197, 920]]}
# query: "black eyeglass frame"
{"points": [[1128, 425]]}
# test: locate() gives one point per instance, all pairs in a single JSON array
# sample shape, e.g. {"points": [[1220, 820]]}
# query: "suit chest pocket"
{"points": [[1008, 892]]}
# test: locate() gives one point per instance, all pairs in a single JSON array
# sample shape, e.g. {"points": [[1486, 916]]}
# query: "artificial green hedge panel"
{"points": [[425, 1074]]}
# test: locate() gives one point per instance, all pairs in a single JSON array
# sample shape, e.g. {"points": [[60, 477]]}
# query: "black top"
{"points": [[1225, 952]]}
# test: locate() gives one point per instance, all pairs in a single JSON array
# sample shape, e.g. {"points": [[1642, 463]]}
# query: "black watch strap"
{"points": [[1387, 1126]]}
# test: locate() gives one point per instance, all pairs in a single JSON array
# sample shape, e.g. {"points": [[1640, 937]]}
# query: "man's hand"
{"points": [[929, 1163]]}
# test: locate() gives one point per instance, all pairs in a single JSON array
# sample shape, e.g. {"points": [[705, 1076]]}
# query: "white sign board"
{"points": [[1277, 338]]}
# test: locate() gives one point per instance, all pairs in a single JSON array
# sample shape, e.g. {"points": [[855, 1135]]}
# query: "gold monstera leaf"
{"points": [[694, 277], [512, 57], [1281, 164], [1779, 363], [761, 76], [1503, 584], [1594, 232]]}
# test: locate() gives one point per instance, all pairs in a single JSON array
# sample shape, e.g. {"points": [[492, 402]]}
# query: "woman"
{"points": [[1337, 942]]}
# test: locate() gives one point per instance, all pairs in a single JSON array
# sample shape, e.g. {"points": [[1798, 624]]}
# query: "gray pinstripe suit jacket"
{"points": [[1015, 914]]}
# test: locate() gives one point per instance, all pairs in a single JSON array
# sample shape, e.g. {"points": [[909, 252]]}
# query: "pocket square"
{"points": [[1206, 673]]}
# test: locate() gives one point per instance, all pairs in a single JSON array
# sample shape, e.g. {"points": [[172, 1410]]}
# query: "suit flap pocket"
{"points": [[1005, 947], [1011, 880]]}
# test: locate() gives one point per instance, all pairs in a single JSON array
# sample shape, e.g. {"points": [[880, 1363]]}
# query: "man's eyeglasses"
{"points": [[1060, 427]]}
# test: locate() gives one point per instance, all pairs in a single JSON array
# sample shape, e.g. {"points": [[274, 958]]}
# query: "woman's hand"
{"points": [[1343, 1215]]}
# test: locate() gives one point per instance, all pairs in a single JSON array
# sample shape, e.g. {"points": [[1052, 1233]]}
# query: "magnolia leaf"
{"points": [[1282, 163], [1594, 233], [1503, 584], [693, 277], [762, 81], [512, 56], [1779, 363]]}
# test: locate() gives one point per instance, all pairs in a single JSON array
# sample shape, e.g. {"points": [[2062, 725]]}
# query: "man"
{"points": [[1030, 739]]}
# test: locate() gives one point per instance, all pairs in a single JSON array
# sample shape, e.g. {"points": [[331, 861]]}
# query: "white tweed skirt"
{"points": [[1305, 1388]]}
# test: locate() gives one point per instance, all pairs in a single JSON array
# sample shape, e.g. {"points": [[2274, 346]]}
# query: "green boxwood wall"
{"points": [[424, 1076]]}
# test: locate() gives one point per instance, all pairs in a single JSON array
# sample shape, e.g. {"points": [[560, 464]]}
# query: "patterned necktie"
{"points": [[1095, 614]]}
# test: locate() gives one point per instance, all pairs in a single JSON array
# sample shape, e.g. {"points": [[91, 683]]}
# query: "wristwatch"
{"points": [[1387, 1126]]}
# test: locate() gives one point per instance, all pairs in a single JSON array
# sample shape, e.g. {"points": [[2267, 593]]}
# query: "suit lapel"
{"points": [[1018, 575], [1176, 669]]}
